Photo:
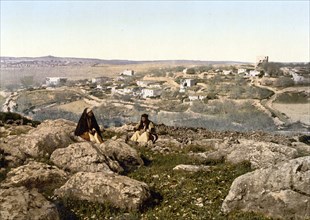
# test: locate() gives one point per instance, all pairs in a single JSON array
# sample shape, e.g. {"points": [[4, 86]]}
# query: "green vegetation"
{"points": [[283, 82], [293, 98], [53, 114], [2, 100], [229, 115], [14, 117], [176, 194], [172, 106], [29, 100]]}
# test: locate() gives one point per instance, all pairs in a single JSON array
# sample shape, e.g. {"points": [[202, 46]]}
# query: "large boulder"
{"points": [[47, 137], [119, 191], [21, 203], [259, 154], [12, 155], [126, 156], [35, 175], [83, 157], [281, 191], [39, 142]]}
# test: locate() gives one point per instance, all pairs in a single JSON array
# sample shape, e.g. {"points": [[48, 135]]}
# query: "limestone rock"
{"points": [[301, 147], [280, 191], [21, 203], [123, 129], [192, 168], [83, 156], [13, 156], [126, 156], [259, 154], [119, 191], [35, 175], [39, 142], [204, 157]]}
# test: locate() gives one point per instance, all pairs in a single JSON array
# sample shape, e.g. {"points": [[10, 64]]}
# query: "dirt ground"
{"points": [[296, 112], [76, 107]]}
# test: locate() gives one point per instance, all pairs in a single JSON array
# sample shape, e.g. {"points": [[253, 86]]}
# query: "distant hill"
{"points": [[93, 61]]}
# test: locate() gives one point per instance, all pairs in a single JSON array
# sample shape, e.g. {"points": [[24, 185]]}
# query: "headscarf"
{"points": [[83, 125], [147, 122]]}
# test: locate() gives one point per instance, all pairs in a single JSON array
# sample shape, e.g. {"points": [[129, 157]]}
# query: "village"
{"points": [[152, 86], [177, 95]]}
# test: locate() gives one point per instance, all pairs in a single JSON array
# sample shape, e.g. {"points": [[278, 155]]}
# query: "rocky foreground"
{"points": [[48, 173]]}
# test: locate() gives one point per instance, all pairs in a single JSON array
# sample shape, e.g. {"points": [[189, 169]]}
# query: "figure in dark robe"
{"points": [[144, 131], [88, 127]]}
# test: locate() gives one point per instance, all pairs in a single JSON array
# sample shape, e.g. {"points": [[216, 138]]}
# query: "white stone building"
{"points": [[196, 96], [55, 81], [99, 79], [241, 71], [128, 73], [261, 60], [186, 83], [254, 73], [151, 93], [297, 78], [227, 72]]}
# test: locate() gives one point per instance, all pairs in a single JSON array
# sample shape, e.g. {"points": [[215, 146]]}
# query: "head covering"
{"points": [[146, 123], [145, 116], [85, 126]]}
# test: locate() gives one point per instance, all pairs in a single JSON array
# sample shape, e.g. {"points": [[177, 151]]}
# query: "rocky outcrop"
{"points": [[192, 168], [259, 154], [302, 148], [47, 137], [119, 191], [84, 157], [35, 175], [39, 142], [21, 203], [284, 187], [126, 156]]}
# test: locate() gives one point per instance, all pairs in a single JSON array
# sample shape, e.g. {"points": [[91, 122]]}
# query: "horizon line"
{"points": [[149, 60]]}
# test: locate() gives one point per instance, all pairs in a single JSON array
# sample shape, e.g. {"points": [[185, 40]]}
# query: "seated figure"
{"points": [[88, 128], [144, 131]]}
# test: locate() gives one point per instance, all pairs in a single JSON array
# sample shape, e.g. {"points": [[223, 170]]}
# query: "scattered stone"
{"points": [[39, 142], [192, 168], [213, 157], [35, 175], [259, 154], [83, 157], [21, 203], [284, 187], [125, 155], [161, 150], [301, 147], [119, 191]]}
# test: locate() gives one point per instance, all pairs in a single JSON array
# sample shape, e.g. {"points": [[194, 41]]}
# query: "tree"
{"points": [[273, 69], [27, 81], [190, 71], [284, 82]]}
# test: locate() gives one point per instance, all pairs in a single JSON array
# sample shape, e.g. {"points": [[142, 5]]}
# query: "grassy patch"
{"points": [[179, 194], [293, 98], [189, 195]]}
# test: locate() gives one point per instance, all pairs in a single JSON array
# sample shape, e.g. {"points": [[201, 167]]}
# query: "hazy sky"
{"points": [[146, 30]]}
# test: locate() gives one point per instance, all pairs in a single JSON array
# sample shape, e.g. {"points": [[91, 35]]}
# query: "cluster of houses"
{"points": [[126, 84]]}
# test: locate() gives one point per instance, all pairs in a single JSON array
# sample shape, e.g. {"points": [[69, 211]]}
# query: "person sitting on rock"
{"points": [[88, 128], [144, 131]]}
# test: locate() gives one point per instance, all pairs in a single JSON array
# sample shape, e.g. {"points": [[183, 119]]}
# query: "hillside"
{"points": [[187, 174]]}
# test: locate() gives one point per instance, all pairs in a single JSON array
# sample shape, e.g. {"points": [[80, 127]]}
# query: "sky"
{"points": [[157, 30]]}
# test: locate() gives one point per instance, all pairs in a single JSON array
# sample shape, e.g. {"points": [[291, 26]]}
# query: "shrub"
{"points": [[283, 82]]}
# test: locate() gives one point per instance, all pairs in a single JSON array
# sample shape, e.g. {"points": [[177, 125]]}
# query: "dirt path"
{"points": [[282, 117]]}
